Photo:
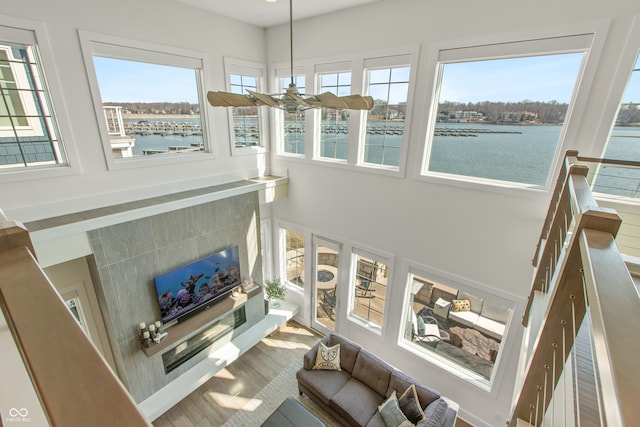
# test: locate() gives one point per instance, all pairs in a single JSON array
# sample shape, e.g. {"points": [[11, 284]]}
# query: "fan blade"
{"points": [[350, 102], [263, 99], [227, 99]]}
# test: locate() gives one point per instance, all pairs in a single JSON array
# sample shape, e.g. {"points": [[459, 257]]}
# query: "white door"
{"points": [[326, 282]]}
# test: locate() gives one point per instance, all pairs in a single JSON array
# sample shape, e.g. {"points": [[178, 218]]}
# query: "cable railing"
{"points": [[580, 366], [73, 383], [613, 177]]}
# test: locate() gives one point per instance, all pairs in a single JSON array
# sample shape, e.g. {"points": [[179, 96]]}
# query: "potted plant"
{"points": [[275, 290]]}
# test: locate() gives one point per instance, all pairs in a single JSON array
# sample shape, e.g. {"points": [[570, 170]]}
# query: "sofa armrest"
{"points": [[309, 359]]}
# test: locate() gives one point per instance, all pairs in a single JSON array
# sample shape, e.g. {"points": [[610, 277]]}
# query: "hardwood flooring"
{"points": [[213, 403]]}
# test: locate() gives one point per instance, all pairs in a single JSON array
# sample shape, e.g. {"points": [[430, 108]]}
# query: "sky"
{"points": [[542, 78], [129, 81]]}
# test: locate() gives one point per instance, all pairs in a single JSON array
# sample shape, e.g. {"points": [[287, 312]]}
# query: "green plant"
{"points": [[274, 289]]}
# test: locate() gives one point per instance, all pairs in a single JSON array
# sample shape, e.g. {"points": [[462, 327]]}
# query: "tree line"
{"points": [[182, 108]]}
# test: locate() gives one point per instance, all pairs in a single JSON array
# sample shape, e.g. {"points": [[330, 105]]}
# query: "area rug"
{"points": [[258, 409]]}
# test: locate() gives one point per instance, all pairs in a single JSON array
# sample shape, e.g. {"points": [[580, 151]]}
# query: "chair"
{"points": [[328, 302], [365, 288], [426, 329]]}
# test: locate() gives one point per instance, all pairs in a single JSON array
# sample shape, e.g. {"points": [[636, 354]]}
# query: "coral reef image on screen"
{"points": [[196, 286]]}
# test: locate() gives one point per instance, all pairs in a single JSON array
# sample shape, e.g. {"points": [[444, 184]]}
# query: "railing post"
{"points": [[13, 235]]}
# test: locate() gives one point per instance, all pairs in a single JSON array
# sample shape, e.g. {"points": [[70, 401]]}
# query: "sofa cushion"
{"points": [[328, 358], [400, 381], [373, 372], [490, 327], [324, 384], [435, 413], [475, 302], [355, 402], [392, 414], [494, 311], [376, 420], [348, 351], [410, 405], [466, 318]]}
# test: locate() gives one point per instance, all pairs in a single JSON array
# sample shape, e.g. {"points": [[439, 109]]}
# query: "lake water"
{"points": [[520, 153]]}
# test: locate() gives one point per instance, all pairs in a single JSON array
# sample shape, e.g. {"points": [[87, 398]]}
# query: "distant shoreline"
{"points": [[159, 116]]}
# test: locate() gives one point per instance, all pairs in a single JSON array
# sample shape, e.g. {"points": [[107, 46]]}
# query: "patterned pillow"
{"points": [[392, 414], [461, 305], [410, 405], [328, 358]]}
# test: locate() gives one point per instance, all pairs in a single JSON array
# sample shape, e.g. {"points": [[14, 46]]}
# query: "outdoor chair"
{"points": [[426, 330], [328, 302], [364, 288]]}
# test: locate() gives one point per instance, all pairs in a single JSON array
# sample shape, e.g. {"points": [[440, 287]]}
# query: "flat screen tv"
{"points": [[197, 286]]}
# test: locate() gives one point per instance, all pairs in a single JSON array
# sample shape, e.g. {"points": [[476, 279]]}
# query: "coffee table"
{"points": [[292, 414]]}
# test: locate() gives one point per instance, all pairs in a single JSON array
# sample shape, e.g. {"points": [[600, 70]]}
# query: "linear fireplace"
{"points": [[185, 350]]}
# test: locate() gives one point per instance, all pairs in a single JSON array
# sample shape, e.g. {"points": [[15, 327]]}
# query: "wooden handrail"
{"points": [[74, 384], [591, 261]]}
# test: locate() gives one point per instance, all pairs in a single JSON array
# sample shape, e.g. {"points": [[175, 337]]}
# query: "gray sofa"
{"points": [[352, 395]]}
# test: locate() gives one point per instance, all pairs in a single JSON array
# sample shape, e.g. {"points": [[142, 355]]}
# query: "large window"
{"points": [[334, 124], [462, 329], [247, 123], [158, 91], [294, 123], [293, 257], [501, 109], [370, 280], [389, 87], [29, 135], [623, 144]]}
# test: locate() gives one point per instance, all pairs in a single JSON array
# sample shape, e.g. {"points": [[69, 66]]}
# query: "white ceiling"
{"points": [[265, 14]]}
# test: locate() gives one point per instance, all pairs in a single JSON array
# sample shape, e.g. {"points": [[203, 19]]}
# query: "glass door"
{"points": [[326, 268]]}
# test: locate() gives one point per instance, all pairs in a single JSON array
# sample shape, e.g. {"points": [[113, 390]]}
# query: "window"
{"points": [[294, 257], [294, 123], [247, 123], [389, 87], [623, 144], [29, 135], [462, 329], [501, 109], [370, 276], [156, 91], [334, 124]]}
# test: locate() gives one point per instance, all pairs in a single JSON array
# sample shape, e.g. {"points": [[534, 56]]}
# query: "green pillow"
{"points": [[392, 414]]}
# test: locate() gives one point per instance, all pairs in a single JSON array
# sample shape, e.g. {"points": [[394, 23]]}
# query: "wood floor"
{"points": [[213, 403]]}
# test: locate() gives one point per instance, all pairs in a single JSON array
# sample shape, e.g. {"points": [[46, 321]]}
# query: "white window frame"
{"points": [[331, 68], [508, 47], [140, 51], [257, 70], [382, 62], [282, 256], [34, 33], [508, 346], [386, 259]]}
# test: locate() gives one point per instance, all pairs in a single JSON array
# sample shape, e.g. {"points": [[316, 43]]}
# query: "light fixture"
{"points": [[291, 100]]}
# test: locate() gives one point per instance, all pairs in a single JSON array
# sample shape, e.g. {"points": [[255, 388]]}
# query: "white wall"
{"points": [[161, 22], [487, 237], [482, 236]]}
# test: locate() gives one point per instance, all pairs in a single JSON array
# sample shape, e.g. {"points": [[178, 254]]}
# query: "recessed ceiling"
{"points": [[266, 14]]}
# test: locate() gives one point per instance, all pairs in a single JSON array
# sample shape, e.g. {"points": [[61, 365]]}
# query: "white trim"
{"points": [[142, 51], [35, 33], [259, 71]]}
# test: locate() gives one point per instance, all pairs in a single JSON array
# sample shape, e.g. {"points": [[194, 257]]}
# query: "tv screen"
{"points": [[198, 285]]}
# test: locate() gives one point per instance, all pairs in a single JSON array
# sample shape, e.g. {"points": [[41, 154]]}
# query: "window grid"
{"points": [[370, 290], [246, 128], [27, 129], [385, 122], [294, 255], [294, 126], [334, 127]]}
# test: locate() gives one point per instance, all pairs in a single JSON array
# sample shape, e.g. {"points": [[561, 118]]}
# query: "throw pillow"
{"points": [[461, 305], [392, 414], [410, 405], [328, 358]]}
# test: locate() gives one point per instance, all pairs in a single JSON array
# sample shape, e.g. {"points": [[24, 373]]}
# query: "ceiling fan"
{"points": [[291, 100]]}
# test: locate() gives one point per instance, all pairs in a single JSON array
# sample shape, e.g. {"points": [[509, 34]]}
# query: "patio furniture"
{"points": [[426, 329], [328, 302], [365, 288]]}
